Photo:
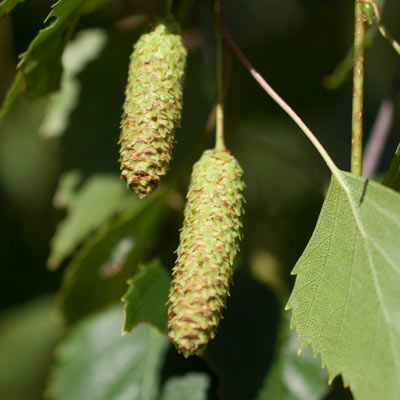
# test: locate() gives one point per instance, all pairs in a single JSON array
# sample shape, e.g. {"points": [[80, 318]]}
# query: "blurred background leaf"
{"points": [[88, 207], [293, 376], [85, 47], [192, 386], [7, 5], [102, 364], [98, 272], [392, 177], [28, 335]]}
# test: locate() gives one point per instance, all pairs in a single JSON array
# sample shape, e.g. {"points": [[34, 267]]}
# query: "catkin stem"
{"points": [[358, 90], [219, 145]]}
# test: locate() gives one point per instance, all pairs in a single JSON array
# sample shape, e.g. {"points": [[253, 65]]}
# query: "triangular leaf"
{"points": [[145, 300], [96, 363], [346, 297]]}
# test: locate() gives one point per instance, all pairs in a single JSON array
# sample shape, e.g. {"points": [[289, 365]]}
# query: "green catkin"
{"points": [[152, 108], [208, 245]]}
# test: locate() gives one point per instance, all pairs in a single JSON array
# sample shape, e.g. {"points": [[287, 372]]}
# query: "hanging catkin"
{"points": [[207, 248], [152, 108]]}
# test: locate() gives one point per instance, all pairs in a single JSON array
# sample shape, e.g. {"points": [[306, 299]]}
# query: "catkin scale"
{"points": [[152, 108], [208, 245]]}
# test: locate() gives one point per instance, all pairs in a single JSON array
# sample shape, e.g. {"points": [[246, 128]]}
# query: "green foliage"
{"points": [[80, 51], [99, 270], [41, 63], [345, 300], [11, 95], [89, 206], [145, 300], [292, 377], [28, 334], [94, 362], [7, 5], [192, 386], [392, 177]]}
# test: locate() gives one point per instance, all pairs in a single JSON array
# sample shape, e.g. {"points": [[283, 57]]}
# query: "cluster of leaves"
{"points": [[344, 302]]}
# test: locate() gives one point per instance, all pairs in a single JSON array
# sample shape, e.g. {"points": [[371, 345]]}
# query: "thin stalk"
{"points": [[219, 145], [358, 90], [271, 92]]}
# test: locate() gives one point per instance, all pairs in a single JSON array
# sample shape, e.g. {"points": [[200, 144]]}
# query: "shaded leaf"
{"points": [[11, 95], [345, 300], [7, 5], [28, 335], [294, 377], [28, 164], [145, 300], [98, 273], [95, 362], [392, 177], [192, 386], [88, 207]]}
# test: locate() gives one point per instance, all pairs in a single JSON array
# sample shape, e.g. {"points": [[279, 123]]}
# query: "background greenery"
{"points": [[61, 201]]}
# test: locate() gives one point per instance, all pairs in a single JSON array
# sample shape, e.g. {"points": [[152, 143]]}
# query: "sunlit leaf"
{"points": [[146, 297], [346, 297], [95, 362]]}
